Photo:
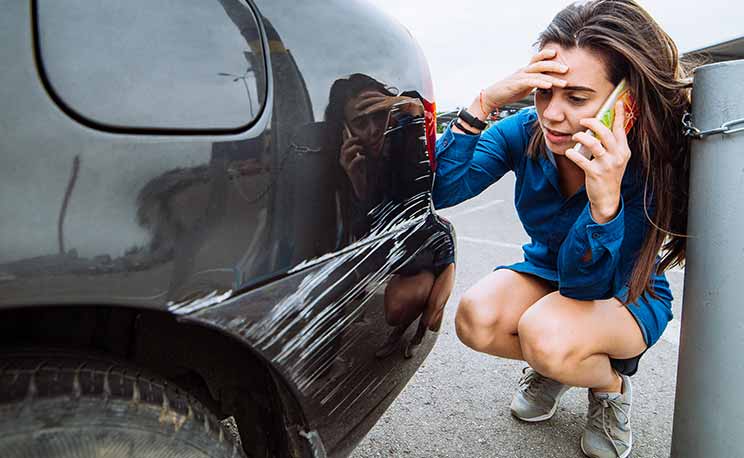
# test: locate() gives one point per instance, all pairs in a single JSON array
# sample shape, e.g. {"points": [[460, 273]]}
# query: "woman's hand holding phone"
{"points": [[353, 160], [604, 173]]}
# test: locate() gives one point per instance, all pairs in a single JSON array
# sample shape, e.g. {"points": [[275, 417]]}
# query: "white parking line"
{"points": [[488, 242], [477, 208]]}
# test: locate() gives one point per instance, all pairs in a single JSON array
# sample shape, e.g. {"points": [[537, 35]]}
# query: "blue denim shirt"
{"points": [[586, 259]]}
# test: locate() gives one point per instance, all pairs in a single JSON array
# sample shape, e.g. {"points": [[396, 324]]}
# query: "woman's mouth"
{"points": [[555, 136]]}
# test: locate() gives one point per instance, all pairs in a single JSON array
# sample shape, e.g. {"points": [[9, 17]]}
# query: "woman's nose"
{"points": [[373, 130], [554, 111]]}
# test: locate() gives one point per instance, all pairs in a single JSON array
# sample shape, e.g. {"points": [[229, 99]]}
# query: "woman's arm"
{"points": [[596, 259], [468, 164], [589, 257]]}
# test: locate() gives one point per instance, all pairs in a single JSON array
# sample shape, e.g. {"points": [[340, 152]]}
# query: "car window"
{"points": [[153, 64]]}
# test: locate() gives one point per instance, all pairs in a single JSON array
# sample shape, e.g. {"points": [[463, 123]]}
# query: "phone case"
{"points": [[606, 113]]}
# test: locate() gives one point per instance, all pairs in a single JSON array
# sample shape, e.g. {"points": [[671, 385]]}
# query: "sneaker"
{"points": [[607, 432], [537, 397]]}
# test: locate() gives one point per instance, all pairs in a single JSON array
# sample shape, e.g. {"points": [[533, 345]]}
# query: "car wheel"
{"points": [[61, 404]]}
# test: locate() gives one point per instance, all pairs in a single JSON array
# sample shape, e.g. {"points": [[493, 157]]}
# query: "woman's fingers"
{"points": [[349, 142], [545, 53], [593, 144], [378, 102], [551, 79], [578, 159], [348, 152], [601, 132], [547, 66], [357, 160], [536, 80], [368, 101], [530, 83], [618, 126]]}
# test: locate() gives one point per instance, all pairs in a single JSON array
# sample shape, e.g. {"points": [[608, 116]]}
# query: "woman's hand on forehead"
{"points": [[542, 72], [373, 101], [556, 57]]}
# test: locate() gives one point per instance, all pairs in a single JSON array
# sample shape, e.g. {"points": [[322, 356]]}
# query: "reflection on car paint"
{"points": [[310, 332]]}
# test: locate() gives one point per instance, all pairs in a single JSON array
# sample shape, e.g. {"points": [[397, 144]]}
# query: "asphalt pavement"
{"points": [[457, 404]]}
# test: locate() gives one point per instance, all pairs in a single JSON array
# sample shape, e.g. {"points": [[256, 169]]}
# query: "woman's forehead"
{"points": [[585, 68]]}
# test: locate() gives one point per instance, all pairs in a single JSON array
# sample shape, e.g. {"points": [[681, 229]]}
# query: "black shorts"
{"points": [[626, 366]]}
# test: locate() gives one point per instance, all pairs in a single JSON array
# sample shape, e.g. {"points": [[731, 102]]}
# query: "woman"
{"points": [[590, 296]]}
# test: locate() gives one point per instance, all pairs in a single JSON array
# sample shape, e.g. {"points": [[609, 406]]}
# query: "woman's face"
{"points": [[367, 122], [560, 109]]}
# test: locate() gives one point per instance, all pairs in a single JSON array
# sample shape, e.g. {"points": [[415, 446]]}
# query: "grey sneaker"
{"points": [[537, 397], [607, 432]]}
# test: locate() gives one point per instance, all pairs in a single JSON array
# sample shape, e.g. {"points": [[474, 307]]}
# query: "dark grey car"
{"points": [[216, 230]]}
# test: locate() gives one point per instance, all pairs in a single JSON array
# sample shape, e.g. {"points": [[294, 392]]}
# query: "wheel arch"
{"points": [[226, 375]]}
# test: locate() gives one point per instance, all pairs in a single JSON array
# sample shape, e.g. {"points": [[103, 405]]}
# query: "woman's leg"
{"points": [[406, 296], [572, 341], [405, 300], [438, 297], [489, 311]]}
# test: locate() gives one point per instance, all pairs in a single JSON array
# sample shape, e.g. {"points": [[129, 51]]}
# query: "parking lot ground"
{"points": [[457, 404]]}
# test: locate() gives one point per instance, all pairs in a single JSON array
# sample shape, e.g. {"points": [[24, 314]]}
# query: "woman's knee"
{"points": [[406, 297], [544, 344], [479, 321]]}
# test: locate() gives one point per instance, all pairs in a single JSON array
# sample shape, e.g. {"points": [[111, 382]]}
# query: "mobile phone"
{"points": [[347, 131], [606, 113]]}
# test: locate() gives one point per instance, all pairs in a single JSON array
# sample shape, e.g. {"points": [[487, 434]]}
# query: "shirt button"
{"points": [[595, 235]]}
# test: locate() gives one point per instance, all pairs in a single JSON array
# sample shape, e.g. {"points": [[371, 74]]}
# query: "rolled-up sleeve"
{"points": [[589, 256], [468, 164]]}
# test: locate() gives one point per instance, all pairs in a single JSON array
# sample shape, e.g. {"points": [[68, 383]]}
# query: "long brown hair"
{"points": [[633, 46]]}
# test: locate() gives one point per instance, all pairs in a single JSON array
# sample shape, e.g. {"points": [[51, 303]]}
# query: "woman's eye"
{"points": [[540, 91], [577, 100]]}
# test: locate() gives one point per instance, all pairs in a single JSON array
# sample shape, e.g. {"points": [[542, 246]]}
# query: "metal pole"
{"points": [[709, 406]]}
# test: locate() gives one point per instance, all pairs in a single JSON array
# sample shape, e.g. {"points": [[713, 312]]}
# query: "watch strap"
{"points": [[466, 116], [463, 129]]}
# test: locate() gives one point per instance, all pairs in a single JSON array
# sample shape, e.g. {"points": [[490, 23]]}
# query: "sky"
{"points": [[473, 43]]}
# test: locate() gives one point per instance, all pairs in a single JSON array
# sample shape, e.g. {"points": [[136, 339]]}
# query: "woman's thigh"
{"points": [[498, 300], [582, 328]]}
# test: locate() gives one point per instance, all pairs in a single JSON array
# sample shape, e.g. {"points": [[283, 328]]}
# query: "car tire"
{"points": [[63, 404]]}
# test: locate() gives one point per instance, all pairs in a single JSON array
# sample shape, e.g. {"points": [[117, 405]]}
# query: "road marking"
{"points": [[488, 242], [476, 208], [671, 333]]}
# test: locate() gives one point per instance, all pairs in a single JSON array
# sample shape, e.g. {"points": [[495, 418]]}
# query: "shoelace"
{"points": [[531, 382], [600, 409]]}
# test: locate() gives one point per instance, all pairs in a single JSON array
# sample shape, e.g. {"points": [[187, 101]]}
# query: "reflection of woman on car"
{"points": [[360, 112], [356, 126], [590, 296]]}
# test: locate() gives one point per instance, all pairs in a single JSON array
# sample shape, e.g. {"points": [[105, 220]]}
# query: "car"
{"points": [[217, 235]]}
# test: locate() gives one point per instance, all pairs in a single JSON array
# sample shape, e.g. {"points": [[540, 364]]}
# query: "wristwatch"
{"points": [[465, 115]]}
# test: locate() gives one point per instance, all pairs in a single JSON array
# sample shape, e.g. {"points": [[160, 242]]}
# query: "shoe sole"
{"points": [[548, 415], [624, 455]]}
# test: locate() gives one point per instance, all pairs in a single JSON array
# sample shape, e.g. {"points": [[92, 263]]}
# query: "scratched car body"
{"points": [[181, 193]]}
